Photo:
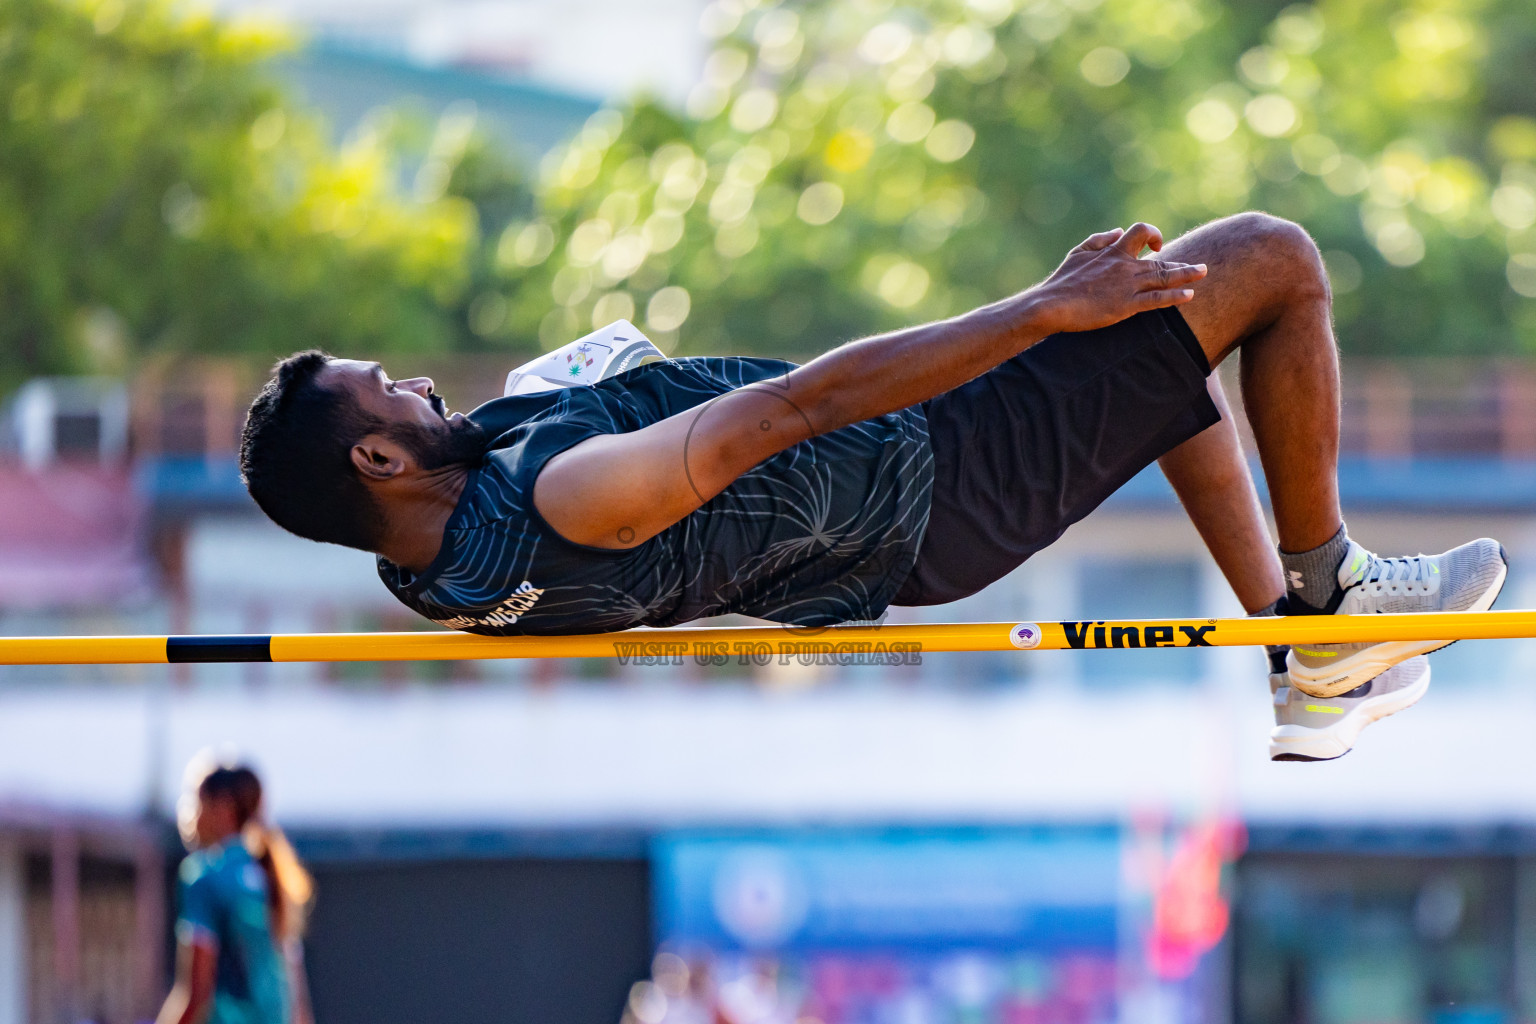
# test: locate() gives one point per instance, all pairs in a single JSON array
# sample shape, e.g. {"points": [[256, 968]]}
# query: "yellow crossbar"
{"points": [[886, 644]]}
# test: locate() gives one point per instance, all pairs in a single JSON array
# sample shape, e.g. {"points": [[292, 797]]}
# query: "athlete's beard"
{"points": [[456, 441]]}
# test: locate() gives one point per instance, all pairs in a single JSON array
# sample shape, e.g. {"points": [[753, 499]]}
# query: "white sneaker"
{"points": [[1464, 579], [1321, 729]]}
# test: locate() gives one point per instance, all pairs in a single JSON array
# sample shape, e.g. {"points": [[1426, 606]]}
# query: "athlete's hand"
{"points": [[1104, 280]]}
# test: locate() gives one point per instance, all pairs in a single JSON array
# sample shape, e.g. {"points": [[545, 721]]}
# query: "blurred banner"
{"points": [[70, 536], [1007, 926], [1013, 890]]}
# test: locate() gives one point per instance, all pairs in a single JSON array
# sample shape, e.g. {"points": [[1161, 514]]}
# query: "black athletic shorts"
{"points": [[1029, 448]]}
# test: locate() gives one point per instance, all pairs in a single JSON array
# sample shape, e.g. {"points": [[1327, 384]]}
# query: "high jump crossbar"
{"points": [[866, 644]]}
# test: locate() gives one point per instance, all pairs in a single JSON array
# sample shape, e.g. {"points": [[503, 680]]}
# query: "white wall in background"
{"points": [[653, 756], [238, 559]]}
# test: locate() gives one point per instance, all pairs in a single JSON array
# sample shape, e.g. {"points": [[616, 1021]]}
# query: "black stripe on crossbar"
{"points": [[180, 650]]}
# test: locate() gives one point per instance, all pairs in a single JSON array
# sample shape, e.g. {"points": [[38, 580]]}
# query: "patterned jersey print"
{"points": [[821, 533]]}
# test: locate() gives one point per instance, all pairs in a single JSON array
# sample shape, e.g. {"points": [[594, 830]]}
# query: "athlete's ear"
{"points": [[377, 458]]}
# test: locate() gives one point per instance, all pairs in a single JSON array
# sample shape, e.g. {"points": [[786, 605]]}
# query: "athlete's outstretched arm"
{"points": [[619, 490]]}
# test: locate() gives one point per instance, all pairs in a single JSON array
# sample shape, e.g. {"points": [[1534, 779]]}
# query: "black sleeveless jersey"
{"points": [[821, 533]]}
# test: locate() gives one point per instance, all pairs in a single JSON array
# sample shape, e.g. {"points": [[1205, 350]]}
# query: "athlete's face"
{"points": [[394, 402], [410, 411]]}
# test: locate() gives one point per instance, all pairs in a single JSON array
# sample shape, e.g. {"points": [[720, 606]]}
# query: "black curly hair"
{"points": [[295, 456]]}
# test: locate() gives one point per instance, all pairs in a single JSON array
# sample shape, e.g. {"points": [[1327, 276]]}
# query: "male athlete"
{"points": [[910, 468]]}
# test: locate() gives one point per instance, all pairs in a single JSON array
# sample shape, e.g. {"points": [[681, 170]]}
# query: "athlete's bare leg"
{"points": [[1267, 292], [1210, 475]]}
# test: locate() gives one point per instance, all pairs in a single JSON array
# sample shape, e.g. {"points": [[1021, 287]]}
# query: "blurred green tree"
{"points": [[848, 165], [157, 191]]}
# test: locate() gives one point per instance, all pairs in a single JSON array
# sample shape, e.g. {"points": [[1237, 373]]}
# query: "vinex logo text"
{"points": [[1087, 635]]}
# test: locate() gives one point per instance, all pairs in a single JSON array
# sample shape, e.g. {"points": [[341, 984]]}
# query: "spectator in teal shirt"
{"points": [[242, 895]]}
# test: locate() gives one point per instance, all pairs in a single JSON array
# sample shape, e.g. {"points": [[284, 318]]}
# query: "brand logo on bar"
{"points": [[1025, 636], [1088, 635]]}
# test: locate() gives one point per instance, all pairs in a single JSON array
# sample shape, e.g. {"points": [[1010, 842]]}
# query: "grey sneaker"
{"points": [[1464, 579], [1321, 729]]}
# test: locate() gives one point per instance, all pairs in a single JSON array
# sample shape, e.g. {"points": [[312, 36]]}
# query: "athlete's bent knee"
{"points": [[1290, 249]]}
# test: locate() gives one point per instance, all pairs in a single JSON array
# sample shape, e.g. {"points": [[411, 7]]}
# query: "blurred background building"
{"points": [[1009, 839], [589, 48]]}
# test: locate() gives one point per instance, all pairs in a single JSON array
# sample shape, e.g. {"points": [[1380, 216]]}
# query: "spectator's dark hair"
{"points": [[289, 887], [295, 456]]}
